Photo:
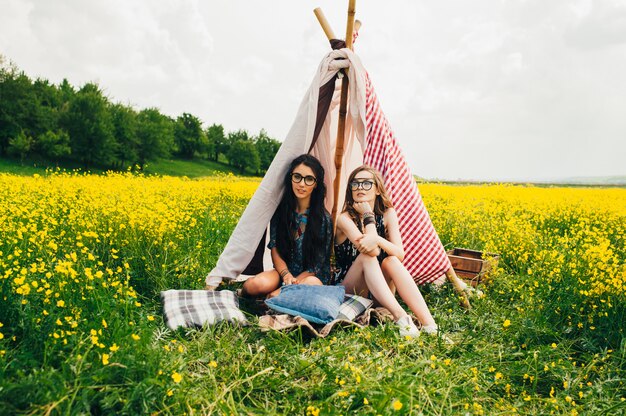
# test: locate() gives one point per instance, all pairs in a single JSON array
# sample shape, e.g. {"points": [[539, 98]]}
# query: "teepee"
{"points": [[341, 122]]}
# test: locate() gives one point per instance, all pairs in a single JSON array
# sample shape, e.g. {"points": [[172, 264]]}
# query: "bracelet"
{"points": [[369, 220], [284, 272]]}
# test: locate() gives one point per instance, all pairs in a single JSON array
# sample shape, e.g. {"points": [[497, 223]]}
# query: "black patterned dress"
{"points": [[346, 252]]}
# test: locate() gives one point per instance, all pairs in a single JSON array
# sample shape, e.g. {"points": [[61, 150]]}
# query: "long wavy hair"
{"points": [[382, 203], [313, 242]]}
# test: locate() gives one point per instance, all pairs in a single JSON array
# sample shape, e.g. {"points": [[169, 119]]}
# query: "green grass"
{"points": [[195, 168], [25, 168], [535, 365], [191, 168]]}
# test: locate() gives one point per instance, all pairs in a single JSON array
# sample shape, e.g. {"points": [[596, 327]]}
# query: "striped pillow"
{"points": [[353, 306]]}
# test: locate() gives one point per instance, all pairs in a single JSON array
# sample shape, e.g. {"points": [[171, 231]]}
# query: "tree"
{"points": [[48, 105], [243, 154], [266, 148], [188, 136], [124, 121], [156, 135], [20, 145], [66, 92], [89, 125], [18, 105], [231, 139], [53, 145], [216, 140]]}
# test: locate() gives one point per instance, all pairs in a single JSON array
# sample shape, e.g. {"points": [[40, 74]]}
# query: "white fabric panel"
{"points": [[244, 240]]}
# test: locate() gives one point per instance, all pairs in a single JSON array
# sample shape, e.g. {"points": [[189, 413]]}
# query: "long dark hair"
{"points": [[313, 242]]}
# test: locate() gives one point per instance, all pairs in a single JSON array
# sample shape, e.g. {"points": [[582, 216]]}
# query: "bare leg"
{"points": [[390, 283], [365, 273], [310, 280], [261, 284], [407, 289]]}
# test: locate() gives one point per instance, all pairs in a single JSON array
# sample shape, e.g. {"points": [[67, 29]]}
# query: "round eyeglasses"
{"points": [[308, 180], [365, 185]]}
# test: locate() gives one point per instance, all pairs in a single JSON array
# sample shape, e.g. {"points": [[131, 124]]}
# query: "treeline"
{"points": [[63, 123]]}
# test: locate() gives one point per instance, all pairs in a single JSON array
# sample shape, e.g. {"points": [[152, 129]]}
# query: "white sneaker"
{"points": [[430, 329], [407, 327], [433, 330]]}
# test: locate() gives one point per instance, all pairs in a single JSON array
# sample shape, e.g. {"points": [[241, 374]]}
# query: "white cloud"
{"points": [[515, 89]]}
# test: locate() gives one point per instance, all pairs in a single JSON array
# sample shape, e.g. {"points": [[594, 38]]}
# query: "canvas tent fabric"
{"points": [[368, 139], [242, 244], [425, 256]]}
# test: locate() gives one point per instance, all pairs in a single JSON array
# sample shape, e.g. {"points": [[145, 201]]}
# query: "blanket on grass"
{"points": [[286, 322], [196, 308]]}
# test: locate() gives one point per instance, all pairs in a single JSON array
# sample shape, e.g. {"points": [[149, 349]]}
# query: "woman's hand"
{"points": [[362, 207], [368, 244], [289, 279], [302, 277]]}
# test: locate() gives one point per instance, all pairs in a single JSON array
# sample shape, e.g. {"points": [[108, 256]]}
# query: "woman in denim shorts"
{"points": [[300, 232]]}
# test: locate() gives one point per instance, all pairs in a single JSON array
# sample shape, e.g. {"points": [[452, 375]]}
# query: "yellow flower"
{"points": [[213, 364], [312, 411], [176, 377], [365, 401], [506, 323], [60, 303], [114, 348], [397, 405], [136, 337], [105, 359], [150, 318], [170, 393]]}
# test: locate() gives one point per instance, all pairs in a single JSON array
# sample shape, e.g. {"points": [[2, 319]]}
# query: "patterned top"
{"points": [[295, 264], [346, 252]]}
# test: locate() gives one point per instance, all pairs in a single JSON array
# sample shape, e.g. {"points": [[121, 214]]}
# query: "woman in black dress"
{"points": [[369, 252]]}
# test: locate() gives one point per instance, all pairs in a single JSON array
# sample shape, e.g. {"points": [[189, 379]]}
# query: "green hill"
{"points": [[172, 167]]}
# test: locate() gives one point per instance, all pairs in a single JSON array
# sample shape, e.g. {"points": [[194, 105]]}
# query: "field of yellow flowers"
{"points": [[83, 259]]}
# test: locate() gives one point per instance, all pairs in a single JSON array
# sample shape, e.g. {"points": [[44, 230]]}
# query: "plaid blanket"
{"points": [[287, 322], [196, 308]]}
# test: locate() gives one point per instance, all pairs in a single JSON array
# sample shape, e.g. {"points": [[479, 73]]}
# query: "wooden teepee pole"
{"points": [[343, 105], [324, 23], [330, 34]]}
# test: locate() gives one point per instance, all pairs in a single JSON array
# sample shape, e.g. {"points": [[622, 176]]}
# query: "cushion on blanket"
{"points": [[318, 304], [353, 306], [190, 308]]}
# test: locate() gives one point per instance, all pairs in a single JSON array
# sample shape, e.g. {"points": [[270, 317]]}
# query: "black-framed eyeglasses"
{"points": [[308, 180], [365, 185]]}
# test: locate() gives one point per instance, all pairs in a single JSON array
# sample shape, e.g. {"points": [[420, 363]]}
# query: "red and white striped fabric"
{"points": [[425, 257]]}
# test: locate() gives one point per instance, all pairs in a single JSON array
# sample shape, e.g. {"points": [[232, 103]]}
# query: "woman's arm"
{"points": [[348, 228], [364, 242], [281, 266], [393, 245]]}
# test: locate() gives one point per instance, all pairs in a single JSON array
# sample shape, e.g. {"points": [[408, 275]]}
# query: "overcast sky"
{"points": [[485, 90]]}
